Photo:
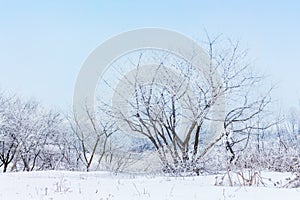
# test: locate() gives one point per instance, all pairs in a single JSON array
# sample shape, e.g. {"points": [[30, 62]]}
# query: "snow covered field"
{"points": [[106, 186]]}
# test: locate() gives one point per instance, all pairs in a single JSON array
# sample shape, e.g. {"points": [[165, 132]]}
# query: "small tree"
{"points": [[93, 136], [8, 132]]}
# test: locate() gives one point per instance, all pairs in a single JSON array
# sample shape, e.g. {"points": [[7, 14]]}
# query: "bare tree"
{"points": [[30, 135], [93, 136], [8, 132], [159, 111]]}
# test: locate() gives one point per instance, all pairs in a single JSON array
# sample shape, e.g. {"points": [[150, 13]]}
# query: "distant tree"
{"points": [[8, 133], [30, 135]]}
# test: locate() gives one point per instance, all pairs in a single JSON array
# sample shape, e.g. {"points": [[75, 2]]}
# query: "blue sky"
{"points": [[44, 43]]}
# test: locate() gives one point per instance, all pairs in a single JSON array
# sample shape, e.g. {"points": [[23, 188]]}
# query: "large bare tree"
{"points": [[177, 112]]}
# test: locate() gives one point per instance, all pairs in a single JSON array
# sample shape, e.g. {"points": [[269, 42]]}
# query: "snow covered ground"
{"points": [[106, 186]]}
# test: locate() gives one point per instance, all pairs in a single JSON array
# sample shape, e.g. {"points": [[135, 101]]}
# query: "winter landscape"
{"points": [[104, 100]]}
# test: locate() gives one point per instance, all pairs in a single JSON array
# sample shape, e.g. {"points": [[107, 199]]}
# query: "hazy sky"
{"points": [[42, 45]]}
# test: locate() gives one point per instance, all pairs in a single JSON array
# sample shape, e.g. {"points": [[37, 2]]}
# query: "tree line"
{"points": [[35, 138]]}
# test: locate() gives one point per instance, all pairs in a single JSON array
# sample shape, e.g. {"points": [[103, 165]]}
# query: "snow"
{"points": [[61, 185]]}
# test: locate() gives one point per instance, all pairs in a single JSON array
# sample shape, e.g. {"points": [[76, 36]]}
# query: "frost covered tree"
{"points": [[31, 135], [93, 136], [159, 111], [10, 141]]}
